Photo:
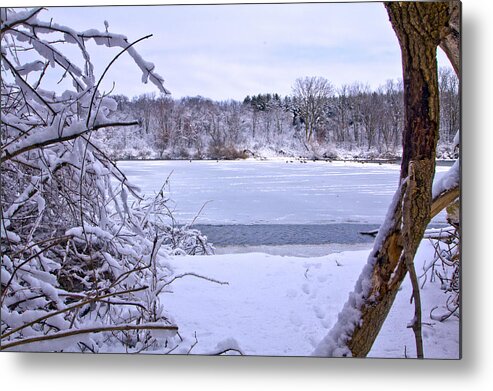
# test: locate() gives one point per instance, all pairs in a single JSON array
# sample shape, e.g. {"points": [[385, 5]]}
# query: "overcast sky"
{"points": [[230, 51]]}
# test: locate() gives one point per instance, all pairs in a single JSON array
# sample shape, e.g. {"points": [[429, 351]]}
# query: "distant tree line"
{"points": [[315, 121]]}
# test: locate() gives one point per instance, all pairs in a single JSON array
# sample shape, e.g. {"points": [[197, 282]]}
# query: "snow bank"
{"points": [[284, 306]]}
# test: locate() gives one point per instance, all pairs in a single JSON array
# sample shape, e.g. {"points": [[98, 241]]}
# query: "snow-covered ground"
{"points": [[284, 306], [282, 300]]}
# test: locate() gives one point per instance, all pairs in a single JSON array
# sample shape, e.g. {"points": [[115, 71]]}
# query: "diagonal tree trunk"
{"points": [[450, 43], [420, 27]]}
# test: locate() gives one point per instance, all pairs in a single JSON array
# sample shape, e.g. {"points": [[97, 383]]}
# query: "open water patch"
{"points": [[288, 234]]}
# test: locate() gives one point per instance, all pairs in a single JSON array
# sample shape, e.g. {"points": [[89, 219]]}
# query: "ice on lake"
{"points": [[271, 192]]}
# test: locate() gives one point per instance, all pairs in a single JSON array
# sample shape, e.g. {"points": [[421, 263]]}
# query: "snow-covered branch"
{"points": [[52, 135], [83, 255]]}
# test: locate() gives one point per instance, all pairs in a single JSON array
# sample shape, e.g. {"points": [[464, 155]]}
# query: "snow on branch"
{"points": [[83, 254], [10, 19], [90, 330], [52, 135], [447, 182], [106, 39]]}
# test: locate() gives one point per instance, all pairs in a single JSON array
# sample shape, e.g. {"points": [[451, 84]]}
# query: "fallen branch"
{"points": [[373, 232], [229, 350]]}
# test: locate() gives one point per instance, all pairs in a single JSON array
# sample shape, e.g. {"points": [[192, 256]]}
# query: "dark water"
{"points": [[279, 234]]}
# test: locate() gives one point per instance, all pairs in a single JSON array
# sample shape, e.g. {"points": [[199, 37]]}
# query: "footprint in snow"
{"points": [[322, 278], [305, 288], [326, 323], [314, 341], [295, 319], [314, 293], [319, 312], [291, 293]]}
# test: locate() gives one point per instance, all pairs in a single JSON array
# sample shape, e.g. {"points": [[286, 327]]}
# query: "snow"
{"points": [[11, 18], [284, 305], [283, 300], [447, 181], [30, 67], [88, 230], [335, 343], [45, 135], [456, 141]]}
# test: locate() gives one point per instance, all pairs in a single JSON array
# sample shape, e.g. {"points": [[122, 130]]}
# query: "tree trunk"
{"points": [[450, 43], [420, 27]]}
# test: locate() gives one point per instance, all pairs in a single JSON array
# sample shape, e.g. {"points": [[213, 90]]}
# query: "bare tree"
{"points": [[369, 107], [449, 105], [370, 120], [164, 133], [393, 108], [343, 109], [311, 95], [143, 106]]}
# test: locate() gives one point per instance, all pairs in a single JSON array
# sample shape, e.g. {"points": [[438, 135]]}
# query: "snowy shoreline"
{"points": [[286, 159], [283, 300], [275, 305]]}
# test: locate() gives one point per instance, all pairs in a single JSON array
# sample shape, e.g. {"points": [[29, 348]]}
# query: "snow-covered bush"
{"points": [[83, 256], [445, 266]]}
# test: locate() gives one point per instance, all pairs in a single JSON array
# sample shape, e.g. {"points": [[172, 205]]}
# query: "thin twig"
{"points": [[195, 343], [106, 70], [193, 275], [229, 350]]}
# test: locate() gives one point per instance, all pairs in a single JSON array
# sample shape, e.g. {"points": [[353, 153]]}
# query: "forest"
{"points": [[318, 121]]}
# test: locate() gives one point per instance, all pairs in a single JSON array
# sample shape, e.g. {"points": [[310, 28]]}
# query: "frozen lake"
{"points": [[274, 196]]}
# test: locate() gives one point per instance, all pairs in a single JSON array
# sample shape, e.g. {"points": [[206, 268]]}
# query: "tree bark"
{"points": [[450, 43], [420, 27]]}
